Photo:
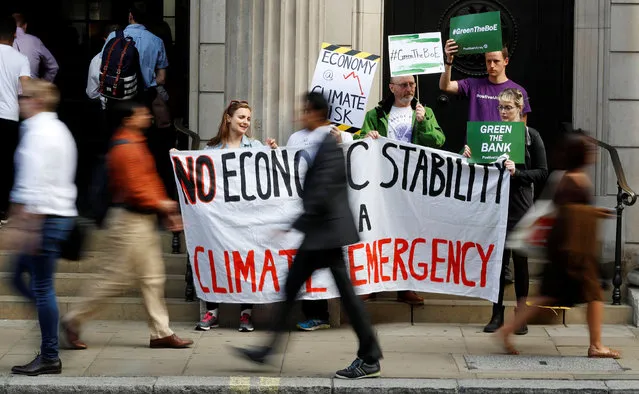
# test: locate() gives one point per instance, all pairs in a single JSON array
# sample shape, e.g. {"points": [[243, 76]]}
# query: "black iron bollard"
{"points": [[616, 280], [176, 244]]}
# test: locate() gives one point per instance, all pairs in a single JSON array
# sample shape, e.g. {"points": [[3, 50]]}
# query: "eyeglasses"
{"points": [[507, 108], [405, 84]]}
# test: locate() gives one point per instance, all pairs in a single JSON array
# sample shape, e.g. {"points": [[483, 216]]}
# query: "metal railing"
{"points": [[625, 197], [194, 144]]}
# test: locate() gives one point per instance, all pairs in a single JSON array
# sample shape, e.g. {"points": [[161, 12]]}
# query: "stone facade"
{"points": [[265, 52]]}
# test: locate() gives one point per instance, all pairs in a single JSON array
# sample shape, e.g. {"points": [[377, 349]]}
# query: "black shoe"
{"points": [[497, 320], [508, 276], [39, 366], [360, 370], [257, 354], [523, 330]]}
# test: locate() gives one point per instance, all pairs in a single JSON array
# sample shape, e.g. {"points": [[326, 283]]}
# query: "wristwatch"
{"points": [[450, 64]]}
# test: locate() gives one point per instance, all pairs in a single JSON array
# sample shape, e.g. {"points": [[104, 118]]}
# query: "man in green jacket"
{"points": [[401, 117]]}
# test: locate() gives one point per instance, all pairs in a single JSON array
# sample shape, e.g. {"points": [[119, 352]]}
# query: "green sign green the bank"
{"points": [[477, 33], [489, 140]]}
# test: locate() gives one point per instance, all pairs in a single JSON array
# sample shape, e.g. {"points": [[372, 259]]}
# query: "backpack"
{"points": [[120, 68], [99, 192]]}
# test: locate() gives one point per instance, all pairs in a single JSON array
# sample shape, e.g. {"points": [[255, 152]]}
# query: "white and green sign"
{"points": [[490, 140], [477, 33], [412, 54]]}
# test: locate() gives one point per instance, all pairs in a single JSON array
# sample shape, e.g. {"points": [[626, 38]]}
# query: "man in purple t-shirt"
{"points": [[482, 92]]}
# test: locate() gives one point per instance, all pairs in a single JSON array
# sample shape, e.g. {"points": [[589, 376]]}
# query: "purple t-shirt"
{"points": [[483, 98]]}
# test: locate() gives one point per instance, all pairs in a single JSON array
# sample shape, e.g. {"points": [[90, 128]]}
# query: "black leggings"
{"points": [[520, 263], [214, 305]]}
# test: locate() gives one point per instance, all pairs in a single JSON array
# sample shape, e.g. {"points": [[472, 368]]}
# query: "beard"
{"points": [[406, 99]]}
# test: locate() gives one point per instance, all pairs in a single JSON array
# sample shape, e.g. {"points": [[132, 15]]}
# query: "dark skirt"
{"points": [[571, 279]]}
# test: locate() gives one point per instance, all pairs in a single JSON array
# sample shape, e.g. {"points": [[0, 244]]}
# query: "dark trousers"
{"points": [[22, 266], [315, 309], [214, 305], [41, 266], [160, 142], [305, 263], [520, 262], [9, 138]]}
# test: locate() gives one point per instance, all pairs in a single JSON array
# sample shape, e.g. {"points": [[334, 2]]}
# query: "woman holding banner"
{"points": [[233, 133], [524, 177]]}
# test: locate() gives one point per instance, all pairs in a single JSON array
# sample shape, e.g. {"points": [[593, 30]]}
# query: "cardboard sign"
{"points": [[427, 221], [412, 54], [489, 140], [477, 33], [345, 76]]}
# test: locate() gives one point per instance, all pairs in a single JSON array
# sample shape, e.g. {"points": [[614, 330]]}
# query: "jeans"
{"points": [[21, 267], [41, 266]]}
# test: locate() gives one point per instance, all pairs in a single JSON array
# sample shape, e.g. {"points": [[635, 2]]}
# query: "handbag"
{"points": [[73, 247], [530, 235]]}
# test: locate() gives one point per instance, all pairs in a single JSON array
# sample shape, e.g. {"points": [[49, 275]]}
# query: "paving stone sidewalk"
{"points": [[432, 351]]}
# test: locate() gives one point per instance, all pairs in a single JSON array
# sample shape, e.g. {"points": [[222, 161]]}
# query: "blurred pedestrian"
{"points": [[572, 274]]}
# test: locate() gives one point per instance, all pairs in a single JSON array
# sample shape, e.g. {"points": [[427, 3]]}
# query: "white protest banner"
{"points": [[345, 76], [412, 54], [428, 221]]}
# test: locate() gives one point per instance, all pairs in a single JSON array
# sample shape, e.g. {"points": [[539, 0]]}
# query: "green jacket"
{"points": [[425, 133]]}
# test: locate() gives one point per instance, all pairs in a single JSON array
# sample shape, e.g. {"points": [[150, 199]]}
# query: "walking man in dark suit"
{"points": [[327, 223]]}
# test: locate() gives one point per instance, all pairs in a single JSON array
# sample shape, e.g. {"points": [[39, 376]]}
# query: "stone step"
{"points": [[478, 312], [175, 264], [72, 284], [97, 241]]}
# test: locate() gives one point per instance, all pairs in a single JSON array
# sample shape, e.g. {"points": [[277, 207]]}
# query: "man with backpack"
{"points": [[138, 198]]}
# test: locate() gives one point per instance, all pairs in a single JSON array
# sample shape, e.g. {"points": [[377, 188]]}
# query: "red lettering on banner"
{"points": [[244, 269], [454, 261], [216, 288], [227, 264], [371, 261], [290, 255], [196, 265], [353, 268], [484, 262], [383, 259], [401, 246], [465, 248], [421, 264], [269, 267], [436, 259]]}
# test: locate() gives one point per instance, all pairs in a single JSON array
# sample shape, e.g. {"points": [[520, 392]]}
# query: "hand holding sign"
{"points": [[510, 166], [420, 112], [451, 50]]}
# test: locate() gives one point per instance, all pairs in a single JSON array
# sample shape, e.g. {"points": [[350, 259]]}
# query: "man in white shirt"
{"points": [[316, 127], [43, 212], [14, 69]]}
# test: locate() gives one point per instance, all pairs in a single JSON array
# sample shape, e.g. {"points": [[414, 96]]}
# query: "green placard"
{"points": [[489, 140], [477, 33]]}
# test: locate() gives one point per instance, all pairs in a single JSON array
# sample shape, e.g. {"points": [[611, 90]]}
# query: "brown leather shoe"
{"points": [[70, 337], [170, 342], [368, 297], [409, 297]]}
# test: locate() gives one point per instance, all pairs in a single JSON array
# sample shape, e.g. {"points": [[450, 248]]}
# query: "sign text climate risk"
{"points": [[386, 260], [279, 173]]}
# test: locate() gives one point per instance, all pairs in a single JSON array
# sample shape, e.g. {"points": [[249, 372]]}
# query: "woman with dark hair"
{"points": [[233, 132], [572, 274]]}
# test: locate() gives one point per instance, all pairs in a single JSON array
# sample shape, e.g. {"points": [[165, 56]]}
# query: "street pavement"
{"points": [[445, 355]]}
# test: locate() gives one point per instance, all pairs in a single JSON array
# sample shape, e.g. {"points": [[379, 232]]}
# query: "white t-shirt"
{"points": [[400, 123], [310, 139], [13, 65]]}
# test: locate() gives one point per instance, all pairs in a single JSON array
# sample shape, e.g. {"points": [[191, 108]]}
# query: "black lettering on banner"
{"points": [[284, 170], [226, 174], [501, 169], [264, 195], [388, 185], [449, 176], [471, 182], [186, 178], [459, 196], [296, 165], [484, 185], [245, 195], [349, 171], [435, 174], [407, 149], [363, 217], [200, 164], [421, 168]]}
